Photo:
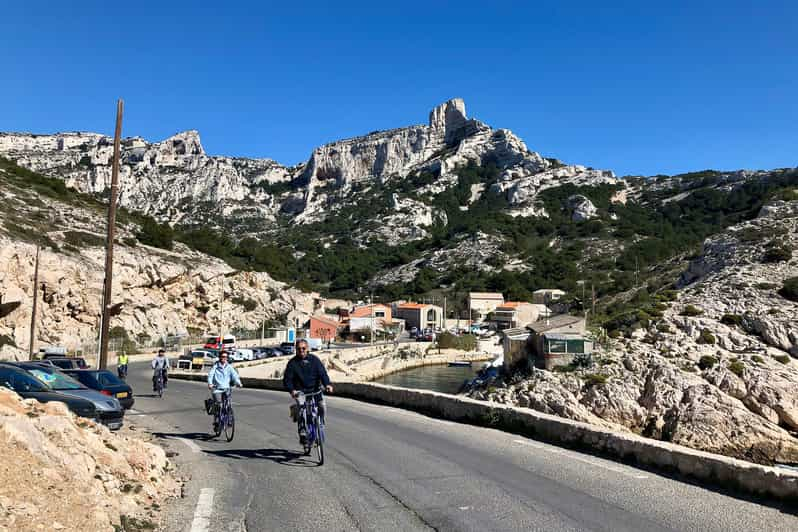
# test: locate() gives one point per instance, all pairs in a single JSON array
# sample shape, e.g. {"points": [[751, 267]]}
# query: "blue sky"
{"points": [[637, 87]]}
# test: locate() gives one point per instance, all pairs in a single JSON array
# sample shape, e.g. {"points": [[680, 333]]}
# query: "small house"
{"points": [[514, 314], [421, 316], [480, 304], [557, 340], [544, 296]]}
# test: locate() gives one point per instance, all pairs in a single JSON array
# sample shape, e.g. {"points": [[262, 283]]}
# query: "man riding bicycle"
{"points": [[219, 378], [305, 373], [160, 364], [121, 365]]}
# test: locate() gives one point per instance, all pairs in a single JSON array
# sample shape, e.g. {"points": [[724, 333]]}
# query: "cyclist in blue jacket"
{"points": [[305, 373], [220, 376]]}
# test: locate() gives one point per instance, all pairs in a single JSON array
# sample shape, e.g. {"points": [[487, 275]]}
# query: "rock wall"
{"points": [[62, 472], [160, 292]]}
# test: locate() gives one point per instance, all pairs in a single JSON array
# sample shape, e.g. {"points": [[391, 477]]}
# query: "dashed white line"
{"points": [[575, 456], [203, 511], [190, 444]]}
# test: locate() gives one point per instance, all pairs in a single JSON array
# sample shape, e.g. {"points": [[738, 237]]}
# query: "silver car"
{"points": [[109, 411]]}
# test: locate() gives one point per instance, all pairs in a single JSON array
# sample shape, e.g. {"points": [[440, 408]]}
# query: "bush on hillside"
{"points": [[706, 337], [736, 367], [707, 361], [692, 311], [151, 233], [732, 320], [779, 253], [789, 289]]}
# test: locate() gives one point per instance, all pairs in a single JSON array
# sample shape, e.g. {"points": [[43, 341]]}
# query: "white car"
{"points": [[240, 355]]}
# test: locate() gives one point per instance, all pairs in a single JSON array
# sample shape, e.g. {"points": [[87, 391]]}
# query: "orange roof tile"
{"points": [[365, 311], [411, 305]]}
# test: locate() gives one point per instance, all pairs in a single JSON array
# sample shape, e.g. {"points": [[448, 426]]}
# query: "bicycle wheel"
{"points": [[319, 430], [230, 425], [159, 386], [218, 419]]}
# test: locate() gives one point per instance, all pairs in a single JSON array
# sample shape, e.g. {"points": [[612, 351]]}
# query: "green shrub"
{"points": [[758, 359], [766, 286], [466, 342], [692, 311], [615, 333], [81, 239], [732, 320], [594, 379], [784, 359], [777, 254], [664, 327], [669, 295], [736, 367], [569, 368], [248, 304], [689, 368], [151, 233], [789, 289], [707, 361], [706, 337], [7, 340]]}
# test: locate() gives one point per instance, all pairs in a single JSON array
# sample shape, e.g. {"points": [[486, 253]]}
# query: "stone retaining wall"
{"points": [[721, 470]]}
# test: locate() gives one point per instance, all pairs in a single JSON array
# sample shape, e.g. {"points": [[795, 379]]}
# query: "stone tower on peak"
{"points": [[448, 118]]}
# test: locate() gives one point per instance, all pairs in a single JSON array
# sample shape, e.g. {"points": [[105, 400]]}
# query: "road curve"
{"points": [[390, 469]]}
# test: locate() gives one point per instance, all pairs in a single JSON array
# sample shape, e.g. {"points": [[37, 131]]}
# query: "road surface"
{"points": [[390, 469]]}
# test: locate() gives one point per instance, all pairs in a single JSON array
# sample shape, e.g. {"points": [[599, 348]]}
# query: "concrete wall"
{"points": [[717, 469]]}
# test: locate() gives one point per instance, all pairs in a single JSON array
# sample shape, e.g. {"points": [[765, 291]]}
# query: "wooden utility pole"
{"points": [[33, 311], [109, 244]]}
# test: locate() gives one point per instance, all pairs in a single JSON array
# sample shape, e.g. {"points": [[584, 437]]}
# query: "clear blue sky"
{"points": [[638, 87]]}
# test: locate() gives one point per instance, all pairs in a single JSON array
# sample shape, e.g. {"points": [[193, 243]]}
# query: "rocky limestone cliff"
{"points": [[62, 472], [717, 372], [176, 181], [159, 291], [172, 180]]}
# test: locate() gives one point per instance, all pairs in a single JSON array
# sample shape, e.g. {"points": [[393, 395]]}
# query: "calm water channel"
{"points": [[440, 378]]}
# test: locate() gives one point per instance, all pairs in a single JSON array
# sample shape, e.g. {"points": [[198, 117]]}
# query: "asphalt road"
{"points": [[390, 469]]}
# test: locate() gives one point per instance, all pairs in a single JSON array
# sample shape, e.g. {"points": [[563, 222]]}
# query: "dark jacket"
{"points": [[305, 375]]}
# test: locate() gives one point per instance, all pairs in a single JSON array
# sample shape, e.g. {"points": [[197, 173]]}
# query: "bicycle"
{"points": [[314, 424], [121, 371], [223, 419], [159, 383]]}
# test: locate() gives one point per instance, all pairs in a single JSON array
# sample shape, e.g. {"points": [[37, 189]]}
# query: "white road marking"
{"points": [[190, 444], [575, 456], [202, 514]]}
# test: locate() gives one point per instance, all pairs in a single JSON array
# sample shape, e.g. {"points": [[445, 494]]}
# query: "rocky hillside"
{"points": [[61, 472], [156, 291], [713, 365]]}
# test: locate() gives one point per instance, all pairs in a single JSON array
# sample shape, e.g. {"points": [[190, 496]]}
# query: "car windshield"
{"points": [[22, 382], [56, 380]]}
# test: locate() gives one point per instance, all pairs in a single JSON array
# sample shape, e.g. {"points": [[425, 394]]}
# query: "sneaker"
{"points": [[302, 437]]}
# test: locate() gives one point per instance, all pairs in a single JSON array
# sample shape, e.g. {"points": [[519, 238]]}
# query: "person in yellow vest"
{"points": [[121, 365]]}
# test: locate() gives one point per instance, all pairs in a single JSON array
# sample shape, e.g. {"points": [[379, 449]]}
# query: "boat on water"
{"points": [[460, 363]]}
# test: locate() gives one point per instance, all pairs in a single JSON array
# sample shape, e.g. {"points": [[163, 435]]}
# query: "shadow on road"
{"points": [[201, 436], [280, 456]]}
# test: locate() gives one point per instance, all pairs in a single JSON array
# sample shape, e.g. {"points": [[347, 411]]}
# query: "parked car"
{"points": [[109, 411], [106, 383], [199, 358], [413, 332], [287, 348], [240, 355], [29, 387], [68, 363]]}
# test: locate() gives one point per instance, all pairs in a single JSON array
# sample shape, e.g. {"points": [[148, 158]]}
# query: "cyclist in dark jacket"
{"points": [[305, 373]]}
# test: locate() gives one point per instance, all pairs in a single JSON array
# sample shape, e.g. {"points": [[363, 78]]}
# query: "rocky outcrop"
{"points": [[718, 371], [63, 472], [176, 181], [173, 180], [581, 208], [160, 292]]}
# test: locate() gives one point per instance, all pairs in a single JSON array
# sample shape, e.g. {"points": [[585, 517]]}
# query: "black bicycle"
{"points": [[313, 420], [224, 419], [159, 383]]}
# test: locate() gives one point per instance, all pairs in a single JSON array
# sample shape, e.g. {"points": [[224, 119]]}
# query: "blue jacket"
{"points": [[305, 375], [220, 376]]}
